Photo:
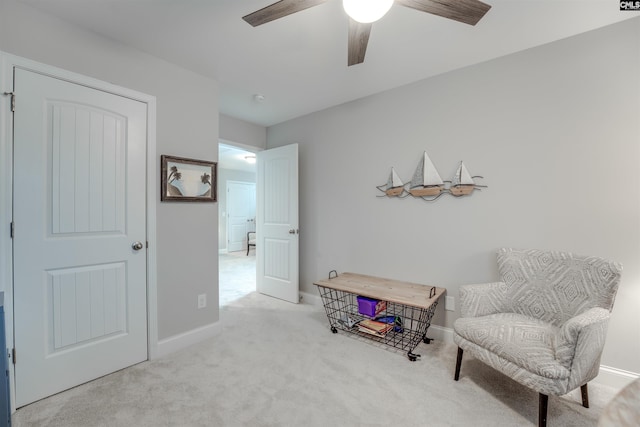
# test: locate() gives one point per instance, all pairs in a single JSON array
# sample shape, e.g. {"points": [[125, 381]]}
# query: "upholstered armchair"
{"points": [[544, 324]]}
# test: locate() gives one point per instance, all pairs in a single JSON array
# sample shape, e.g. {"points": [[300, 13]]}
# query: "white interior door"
{"points": [[241, 214], [277, 223], [79, 205]]}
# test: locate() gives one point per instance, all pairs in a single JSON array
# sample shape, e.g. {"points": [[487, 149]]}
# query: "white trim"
{"points": [[186, 339], [614, 377], [608, 376], [152, 194], [6, 210], [440, 333], [311, 299], [7, 63], [245, 147]]}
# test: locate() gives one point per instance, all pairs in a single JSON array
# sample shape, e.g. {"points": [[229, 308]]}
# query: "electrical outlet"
{"points": [[449, 303], [202, 300]]}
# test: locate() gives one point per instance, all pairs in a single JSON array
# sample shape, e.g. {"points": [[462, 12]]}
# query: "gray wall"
{"points": [[187, 125], [242, 133], [554, 131], [225, 175]]}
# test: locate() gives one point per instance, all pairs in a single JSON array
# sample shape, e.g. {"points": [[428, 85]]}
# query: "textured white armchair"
{"points": [[544, 324]]}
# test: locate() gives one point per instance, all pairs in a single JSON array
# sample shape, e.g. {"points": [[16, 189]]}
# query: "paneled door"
{"points": [[79, 242], [241, 214], [277, 270]]}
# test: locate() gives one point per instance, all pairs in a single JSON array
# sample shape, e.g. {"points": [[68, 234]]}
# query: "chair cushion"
{"points": [[556, 286], [522, 340]]}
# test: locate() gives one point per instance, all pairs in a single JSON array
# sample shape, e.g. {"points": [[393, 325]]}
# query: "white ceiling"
{"points": [[235, 158], [299, 62]]}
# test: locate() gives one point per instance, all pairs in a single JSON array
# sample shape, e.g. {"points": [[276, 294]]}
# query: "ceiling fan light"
{"points": [[365, 11]]}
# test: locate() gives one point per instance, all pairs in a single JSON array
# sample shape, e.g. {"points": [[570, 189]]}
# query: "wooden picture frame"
{"points": [[188, 180]]}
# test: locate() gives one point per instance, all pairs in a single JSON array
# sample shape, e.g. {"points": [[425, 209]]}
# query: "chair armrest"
{"points": [[483, 299], [580, 345]]}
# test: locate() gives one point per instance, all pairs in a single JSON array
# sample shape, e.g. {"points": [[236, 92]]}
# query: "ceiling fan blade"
{"points": [[358, 40], [467, 11], [279, 10]]}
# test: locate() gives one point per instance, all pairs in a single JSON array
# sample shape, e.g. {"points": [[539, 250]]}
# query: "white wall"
{"points": [[554, 131], [242, 133], [187, 125]]}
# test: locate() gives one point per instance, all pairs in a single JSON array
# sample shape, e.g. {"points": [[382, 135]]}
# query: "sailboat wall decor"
{"points": [[462, 183], [426, 180], [394, 186], [427, 184]]}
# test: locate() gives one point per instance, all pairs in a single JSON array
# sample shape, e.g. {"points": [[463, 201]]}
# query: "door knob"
{"points": [[137, 246], [292, 231]]}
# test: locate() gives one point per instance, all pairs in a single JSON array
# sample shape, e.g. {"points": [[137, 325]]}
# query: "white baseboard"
{"points": [[186, 339], [614, 377], [311, 299], [440, 333], [608, 376]]}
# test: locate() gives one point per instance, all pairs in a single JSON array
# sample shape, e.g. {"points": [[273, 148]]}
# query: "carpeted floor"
{"points": [[272, 363], [237, 275]]}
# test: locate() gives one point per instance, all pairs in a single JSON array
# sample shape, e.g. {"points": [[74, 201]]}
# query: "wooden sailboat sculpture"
{"points": [[426, 181], [462, 183], [394, 186]]}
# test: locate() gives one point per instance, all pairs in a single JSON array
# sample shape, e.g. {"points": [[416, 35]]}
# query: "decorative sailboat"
{"points": [[394, 186], [426, 181], [462, 183]]}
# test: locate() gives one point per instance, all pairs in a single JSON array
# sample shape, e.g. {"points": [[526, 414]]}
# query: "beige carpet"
{"points": [[237, 275], [272, 363]]}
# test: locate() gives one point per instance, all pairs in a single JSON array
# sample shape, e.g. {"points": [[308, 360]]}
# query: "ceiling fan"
{"points": [[466, 11]]}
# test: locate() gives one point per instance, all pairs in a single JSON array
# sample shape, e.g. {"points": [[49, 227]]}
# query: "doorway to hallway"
{"points": [[237, 178]]}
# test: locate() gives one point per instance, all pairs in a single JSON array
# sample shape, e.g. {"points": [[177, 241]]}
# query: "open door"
{"points": [[277, 223]]}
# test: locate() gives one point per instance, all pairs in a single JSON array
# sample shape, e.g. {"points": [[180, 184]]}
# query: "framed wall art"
{"points": [[188, 180]]}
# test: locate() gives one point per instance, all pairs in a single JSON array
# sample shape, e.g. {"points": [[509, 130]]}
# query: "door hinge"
{"points": [[12, 229], [13, 355], [147, 242], [13, 100]]}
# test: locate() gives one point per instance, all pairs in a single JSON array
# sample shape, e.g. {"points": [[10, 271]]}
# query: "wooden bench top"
{"points": [[411, 294]]}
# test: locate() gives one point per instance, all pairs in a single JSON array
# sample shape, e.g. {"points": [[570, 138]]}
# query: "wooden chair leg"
{"points": [[458, 363], [542, 410], [585, 396]]}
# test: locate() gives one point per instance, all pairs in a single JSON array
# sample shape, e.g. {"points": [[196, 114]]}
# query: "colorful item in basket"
{"points": [[370, 307], [394, 320], [374, 327]]}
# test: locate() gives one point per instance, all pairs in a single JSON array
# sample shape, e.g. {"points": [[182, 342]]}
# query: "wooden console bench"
{"points": [[409, 307]]}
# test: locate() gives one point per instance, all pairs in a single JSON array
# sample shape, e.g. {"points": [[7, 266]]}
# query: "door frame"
{"points": [[246, 147], [7, 64]]}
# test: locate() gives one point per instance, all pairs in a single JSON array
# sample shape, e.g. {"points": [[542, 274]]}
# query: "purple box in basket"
{"points": [[370, 307]]}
